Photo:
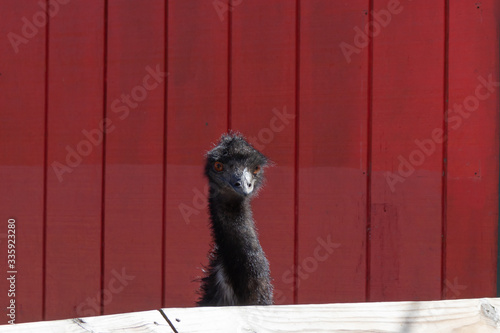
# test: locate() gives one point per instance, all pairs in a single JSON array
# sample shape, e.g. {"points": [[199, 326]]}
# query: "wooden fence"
{"points": [[381, 117], [472, 315]]}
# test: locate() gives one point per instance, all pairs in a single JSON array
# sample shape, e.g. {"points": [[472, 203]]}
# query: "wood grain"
{"points": [[473, 315], [470, 315], [147, 321]]}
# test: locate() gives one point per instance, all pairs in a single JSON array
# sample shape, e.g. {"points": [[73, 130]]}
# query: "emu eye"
{"points": [[218, 166], [256, 170]]}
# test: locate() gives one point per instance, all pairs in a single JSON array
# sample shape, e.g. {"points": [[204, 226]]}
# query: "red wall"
{"points": [[386, 147]]}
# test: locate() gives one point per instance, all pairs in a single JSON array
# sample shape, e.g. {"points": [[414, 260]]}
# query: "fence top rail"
{"points": [[466, 315]]}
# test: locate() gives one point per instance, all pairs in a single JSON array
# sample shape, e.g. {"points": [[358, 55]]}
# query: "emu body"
{"points": [[238, 271]]}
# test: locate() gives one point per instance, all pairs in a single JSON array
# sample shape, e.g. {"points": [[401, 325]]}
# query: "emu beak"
{"points": [[242, 183]]}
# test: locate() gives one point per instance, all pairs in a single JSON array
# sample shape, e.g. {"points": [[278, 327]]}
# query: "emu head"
{"points": [[234, 167]]}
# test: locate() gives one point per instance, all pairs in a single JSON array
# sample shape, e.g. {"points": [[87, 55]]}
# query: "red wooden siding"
{"points": [[74, 100], [472, 150], [407, 105], [332, 154], [102, 150], [134, 154], [199, 105], [22, 140]]}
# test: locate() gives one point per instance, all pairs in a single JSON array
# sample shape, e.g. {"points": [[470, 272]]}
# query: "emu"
{"points": [[238, 271]]}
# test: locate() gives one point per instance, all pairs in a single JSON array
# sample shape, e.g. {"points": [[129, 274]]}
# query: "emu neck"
{"points": [[237, 244], [239, 269], [233, 225]]}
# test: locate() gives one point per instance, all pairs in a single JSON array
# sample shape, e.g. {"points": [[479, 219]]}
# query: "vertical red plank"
{"points": [[134, 156], [197, 115], [472, 208], [22, 130], [74, 159], [408, 54], [332, 152], [263, 108]]}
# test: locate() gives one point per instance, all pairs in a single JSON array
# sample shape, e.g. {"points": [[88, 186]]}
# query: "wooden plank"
{"points": [[134, 156], [470, 315], [197, 116], [407, 102], [22, 148], [473, 315], [74, 159], [472, 207], [332, 153], [146, 321], [263, 109]]}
